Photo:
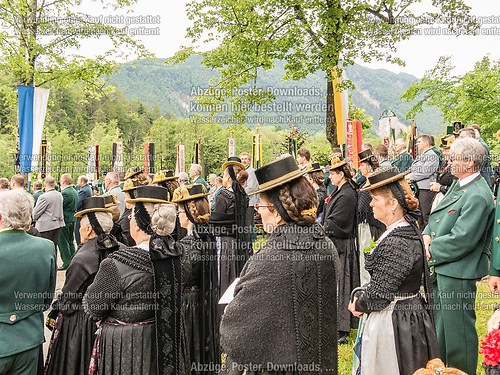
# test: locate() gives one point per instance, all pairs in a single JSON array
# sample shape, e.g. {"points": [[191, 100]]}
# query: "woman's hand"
{"points": [[427, 243], [352, 308]]}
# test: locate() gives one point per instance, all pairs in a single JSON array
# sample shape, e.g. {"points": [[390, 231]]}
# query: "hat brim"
{"points": [[280, 181], [385, 182], [84, 212], [155, 181], [147, 200], [339, 164], [190, 198], [228, 163], [132, 175]]}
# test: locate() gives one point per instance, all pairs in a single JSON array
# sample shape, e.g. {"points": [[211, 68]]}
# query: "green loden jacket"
{"points": [[495, 252], [27, 279], [460, 228], [70, 204]]}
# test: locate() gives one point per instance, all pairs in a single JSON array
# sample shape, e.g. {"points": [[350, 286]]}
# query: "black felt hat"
{"points": [[277, 173], [110, 200], [163, 176], [92, 204], [132, 172], [151, 194], [189, 192], [233, 160], [365, 155], [315, 167], [446, 141], [383, 176], [131, 184]]}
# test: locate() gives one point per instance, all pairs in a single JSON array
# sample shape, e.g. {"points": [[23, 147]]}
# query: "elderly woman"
{"points": [[137, 295], [74, 332], [228, 220], [340, 224], [168, 180], [200, 278], [398, 336], [283, 317]]}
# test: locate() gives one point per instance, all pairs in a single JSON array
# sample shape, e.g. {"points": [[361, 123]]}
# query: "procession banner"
{"points": [[231, 147], [149, 157], [180, 165], [117, 157], [257, 151], [32, 108], [350, 155], [341, 104]]}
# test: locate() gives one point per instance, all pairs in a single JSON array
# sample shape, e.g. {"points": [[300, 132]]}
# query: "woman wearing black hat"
{"points": [[368, 163], [201, 286], [228, 222], [73, 331], [167, 179], [317, 178], [340, 224], [398, 335], [282, 319], [137, 296]]}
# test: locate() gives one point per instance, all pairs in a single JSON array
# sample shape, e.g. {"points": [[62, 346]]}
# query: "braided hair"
{"points": [[295, 201]]}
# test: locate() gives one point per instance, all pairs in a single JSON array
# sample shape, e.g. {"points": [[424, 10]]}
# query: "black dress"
{"points": [[396, 310], [340, 225], [137, 296], [365, 214], [124, 228], [73, 337], [121, 297], [282, 319], [199, 302], [232, 255]]}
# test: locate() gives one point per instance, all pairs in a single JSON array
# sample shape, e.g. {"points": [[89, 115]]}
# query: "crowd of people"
{"points": [[164, 273]]}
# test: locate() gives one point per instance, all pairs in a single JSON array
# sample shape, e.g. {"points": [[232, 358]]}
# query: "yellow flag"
{"points": [[341, 109]]}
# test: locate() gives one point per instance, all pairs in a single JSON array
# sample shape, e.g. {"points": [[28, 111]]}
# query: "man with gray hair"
{"points": [[183, 179], [403, 158], [28, 278], [485, 165], [111, 183], [422, 172], [457, 241], [195, 175], [48, 212]]}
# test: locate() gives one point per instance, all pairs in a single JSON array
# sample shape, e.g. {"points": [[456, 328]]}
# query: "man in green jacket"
{"points": [[457, 240], [403, 160], [67, 234], [27, 279]]}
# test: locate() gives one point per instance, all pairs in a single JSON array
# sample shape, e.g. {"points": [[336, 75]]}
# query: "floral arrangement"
{"points": [[490, 348]]}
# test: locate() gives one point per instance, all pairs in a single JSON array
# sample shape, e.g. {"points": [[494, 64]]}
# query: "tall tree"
{"points": [[35, 36], [471, 98], [246, 36]]}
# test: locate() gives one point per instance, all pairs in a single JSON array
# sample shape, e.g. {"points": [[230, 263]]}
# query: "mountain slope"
{"points": [[302, 104]]}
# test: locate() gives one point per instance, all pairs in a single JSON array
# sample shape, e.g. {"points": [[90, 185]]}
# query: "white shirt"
{"points": [[466, 180]]}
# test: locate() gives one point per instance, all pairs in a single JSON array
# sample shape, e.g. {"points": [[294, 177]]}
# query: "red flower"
{"points": [[490, 347], [327, 199]]}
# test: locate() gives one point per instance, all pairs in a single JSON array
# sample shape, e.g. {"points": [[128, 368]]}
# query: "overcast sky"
{"points": [[420, 53]]}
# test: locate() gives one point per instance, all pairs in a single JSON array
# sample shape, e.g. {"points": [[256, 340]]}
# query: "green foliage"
{"points": [[247, 36], [471, 98], [37, 35]]}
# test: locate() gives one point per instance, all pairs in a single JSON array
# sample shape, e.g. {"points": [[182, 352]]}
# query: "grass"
{"points": [[485, 304]]}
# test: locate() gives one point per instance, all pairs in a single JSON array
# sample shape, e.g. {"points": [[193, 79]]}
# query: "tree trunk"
{"points": [[331, 125]]}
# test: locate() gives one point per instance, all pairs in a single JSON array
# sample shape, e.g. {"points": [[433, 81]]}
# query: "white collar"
{"points": [[144, 245], [466, 180]]}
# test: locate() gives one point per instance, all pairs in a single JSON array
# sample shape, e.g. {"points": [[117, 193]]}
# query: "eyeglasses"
{"points": [[258, 205]]}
